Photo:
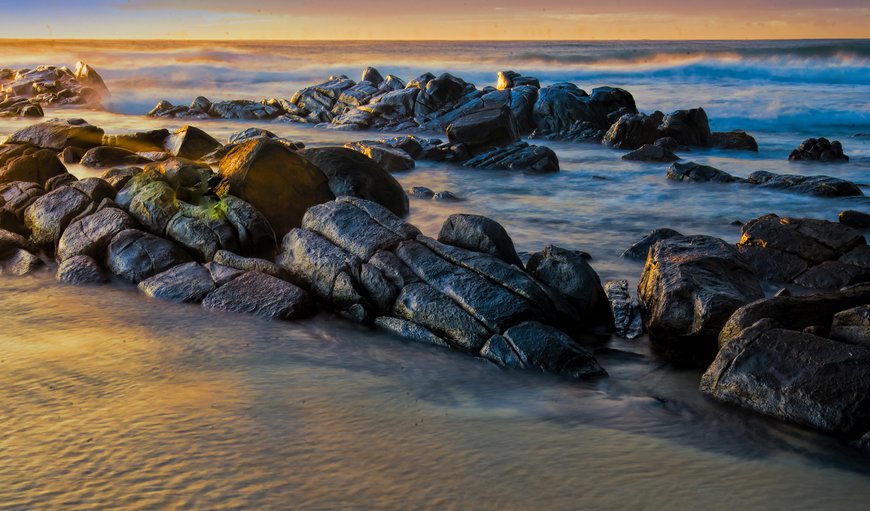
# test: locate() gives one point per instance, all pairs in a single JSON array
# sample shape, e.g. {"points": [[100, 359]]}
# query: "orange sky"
{"points": [[445, 19]]}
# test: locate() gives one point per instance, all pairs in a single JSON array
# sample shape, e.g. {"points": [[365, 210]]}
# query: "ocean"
{"points": [[115, 401]]}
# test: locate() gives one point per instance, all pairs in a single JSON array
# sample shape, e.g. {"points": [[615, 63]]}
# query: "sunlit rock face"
{"points": [[26, 91]]}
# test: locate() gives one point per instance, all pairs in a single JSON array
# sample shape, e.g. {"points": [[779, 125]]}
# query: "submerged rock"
{"points": [[736, 139], [691, 171], [653, 153]]}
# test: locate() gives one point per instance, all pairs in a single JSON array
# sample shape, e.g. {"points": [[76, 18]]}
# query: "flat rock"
{"points": [[185, 283], [263, 295]]}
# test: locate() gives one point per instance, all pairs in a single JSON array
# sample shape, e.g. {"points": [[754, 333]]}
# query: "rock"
{"points": [[510, 79], [439, 93], [852, 326], [36, 167], [238, 262], [50, 214], [627, 317], [781, 249], [691, 171], [145, 141], [687, 127], [72, 155], [135, 255], [255, 234], [409, 330], [479, 234], [200, 104], [736, 139], [559, 107], [11, 242], [858, 256], [832, 275], [352, 173], [221, 274], [690, 286], [651, 153], [90, 235], [191, 143], [544, 348], [153, 205], [822, 186], [518, 156], [632, 131], [424, 306], [119, 177], [58, 134], [640, 250], [87, 75], [202, 229], [855, 219], [20, 263], [446, 196], [80, 270], [567, 272], [390, 158], [669, 143], [60, 180], [185, 283], [278, 182], [819, 149], [421, 192], [372, 76], [15, 198], [263, 295], [485, 128], [105, 156], [794, 376]]}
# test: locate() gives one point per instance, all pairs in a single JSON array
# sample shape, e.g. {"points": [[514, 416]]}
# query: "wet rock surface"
{"points": [[819, 149]]}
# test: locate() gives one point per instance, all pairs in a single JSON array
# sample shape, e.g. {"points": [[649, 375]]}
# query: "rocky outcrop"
{"points": [[819, 149], [352, 173], [58, 134], [812, 253], [15, 198], [50, 214], [278, 182], [822, 186], [365, 263], [779, 359], [690, 286], [50, 86]]}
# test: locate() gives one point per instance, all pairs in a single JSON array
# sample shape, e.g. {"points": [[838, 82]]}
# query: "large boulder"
{"points": [[202, 229], [190, 142], [641, 248], [480, 234], [50, 214], [483, 128], [59, 134], [567, 272], [687, 127], [778, 359], [185, 283], [278, 182], [690, 286], [352, 173], [90, 235], [134, 255], [632, 131], [439, 93], [855, 219], [36, 167], [266, 296], [559, 106]]}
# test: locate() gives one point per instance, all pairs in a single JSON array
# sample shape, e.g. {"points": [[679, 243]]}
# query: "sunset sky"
{"points": [[444, 19]]}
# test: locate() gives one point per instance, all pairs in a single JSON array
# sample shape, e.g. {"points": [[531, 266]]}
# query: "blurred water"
{"points": [[113, 401]]}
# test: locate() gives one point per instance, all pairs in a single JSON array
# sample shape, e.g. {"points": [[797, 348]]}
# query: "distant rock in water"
{"points": [[823, 186], [519, 156], [651, 153], [819, 149], [736, 139], [691, 171], [28, 91]]}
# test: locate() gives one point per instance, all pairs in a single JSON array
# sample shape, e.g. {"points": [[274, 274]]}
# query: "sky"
{"points": [[442, 19]]}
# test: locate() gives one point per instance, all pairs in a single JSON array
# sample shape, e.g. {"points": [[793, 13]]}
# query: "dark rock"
{"points": [[559, 107], [120, 176], [72, 154], [855, 219], [736, 139], [278, 182], [832, 275], [254, 232], [479, 234], [652, 153], [221, 274], [58, 134], [822, 186], [202, 229], [238, 262], [409, 330], [185, 283], [80, 270], [135, 255], [50, 214], [510, 79], [669, 143], [542, 347], [794, 376], [690, 286], [852, 326], [352, 173], [488, 127], [698, 173], [518, 156], [94, 188], [20, 263], [11, 242], [446, 196], [627, 317], [567, 272], [687, 127], [372, 76], [858, 256], [15, 198], [819, 149], [90, 235], [499, 350], [640, 249], [439, 93], [424, 306], [632, 131], [36, 167], [191, 142], [105, 156], [263, 295], [389, 158], [421, 192]]}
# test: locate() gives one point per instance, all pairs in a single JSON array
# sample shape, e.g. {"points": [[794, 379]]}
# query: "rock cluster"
{"points": [[819, 149], [24, 92]]}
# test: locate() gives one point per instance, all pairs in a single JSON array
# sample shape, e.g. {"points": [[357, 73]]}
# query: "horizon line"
{"points": [[111, 39]]}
